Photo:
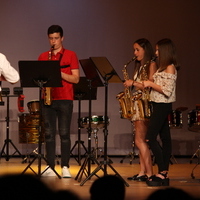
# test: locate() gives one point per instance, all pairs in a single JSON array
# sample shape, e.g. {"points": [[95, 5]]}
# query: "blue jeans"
{"points": [[159, 125], [59, 112]]}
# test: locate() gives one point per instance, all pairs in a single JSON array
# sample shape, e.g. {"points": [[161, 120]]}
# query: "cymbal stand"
{"points": [[86, 166], [198, 161], [38, 154], [197, 153], [79, 142], [96, 148], [8, 140], [105, 163], [132, 153]]}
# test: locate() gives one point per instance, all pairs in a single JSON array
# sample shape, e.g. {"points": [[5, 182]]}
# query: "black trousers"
{"points": [[159, 126]]}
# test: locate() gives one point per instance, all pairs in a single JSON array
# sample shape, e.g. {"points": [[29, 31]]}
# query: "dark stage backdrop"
{"points": [[103, 28]]}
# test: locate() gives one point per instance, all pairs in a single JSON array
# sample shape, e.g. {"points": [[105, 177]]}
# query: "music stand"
{"points": [[94, 81], [81, 92], [109, 75], [40, 74]]}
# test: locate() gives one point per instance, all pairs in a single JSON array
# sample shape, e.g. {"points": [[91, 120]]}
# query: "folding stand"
{"points": [[197, 155], [132, 153], [109, 75], [81, 92], [198, 162], [8, 140], [94, 81], [40, 74]]}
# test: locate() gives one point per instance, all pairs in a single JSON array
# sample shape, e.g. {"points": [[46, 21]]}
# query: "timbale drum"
{"points": [[194, 120], [96, 121], [175, 119], [29, 128]]}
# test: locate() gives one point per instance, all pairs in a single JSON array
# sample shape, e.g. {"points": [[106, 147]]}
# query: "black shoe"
{"points": [[157, 181], [138, 178], [132, 178], [142, 178]]}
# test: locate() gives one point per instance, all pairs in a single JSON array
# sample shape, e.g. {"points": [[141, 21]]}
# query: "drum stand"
{"points": [[79, 142], [132, 153], [28, 155], [8, 140], [197, 154], [86, 166], [96, 148], [27, 158]]}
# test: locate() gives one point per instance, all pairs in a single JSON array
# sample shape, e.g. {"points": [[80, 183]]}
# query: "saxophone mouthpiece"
{"points": [[154, 58], [133, 58]]}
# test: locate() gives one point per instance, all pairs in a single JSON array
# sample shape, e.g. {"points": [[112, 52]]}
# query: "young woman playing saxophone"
{"points": [[144, 53]]}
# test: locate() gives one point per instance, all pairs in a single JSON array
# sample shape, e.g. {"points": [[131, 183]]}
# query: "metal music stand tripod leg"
{"points": [[8, 140], [40, 74], [39, 155], [109, 75], [79, 95]]}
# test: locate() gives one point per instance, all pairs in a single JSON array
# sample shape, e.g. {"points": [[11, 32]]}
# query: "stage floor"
{"points": [[180, 176]]}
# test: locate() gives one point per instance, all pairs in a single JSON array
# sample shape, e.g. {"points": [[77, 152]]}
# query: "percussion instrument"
{"points": [[33, 107], [96, 121], [194, 120], [175, 119], [29, 128]]}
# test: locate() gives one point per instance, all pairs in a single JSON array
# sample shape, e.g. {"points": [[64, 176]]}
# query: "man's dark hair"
{"points": [[55, 29]]}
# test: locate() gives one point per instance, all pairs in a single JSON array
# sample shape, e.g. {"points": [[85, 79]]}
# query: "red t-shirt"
{"points": [[68, 62]]}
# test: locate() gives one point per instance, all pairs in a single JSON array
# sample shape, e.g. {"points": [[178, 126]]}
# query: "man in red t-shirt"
{"points": [[61, 106]]}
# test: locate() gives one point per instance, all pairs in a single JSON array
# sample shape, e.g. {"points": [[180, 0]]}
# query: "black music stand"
{"points": [[40, 74], [94, 81], [109, 75], [81, 92]]}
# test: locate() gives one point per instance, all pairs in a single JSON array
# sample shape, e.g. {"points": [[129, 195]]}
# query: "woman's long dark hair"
{"points": [[166, 54], [148, 54]]}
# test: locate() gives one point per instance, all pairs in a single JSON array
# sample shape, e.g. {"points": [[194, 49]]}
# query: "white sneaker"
{"points": [[66, 173], [48, 172]]}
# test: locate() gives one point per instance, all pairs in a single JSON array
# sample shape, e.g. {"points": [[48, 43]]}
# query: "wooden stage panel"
{"points": [[180, 176]]}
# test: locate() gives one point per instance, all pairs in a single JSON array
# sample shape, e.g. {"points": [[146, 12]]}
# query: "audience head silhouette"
{"points": [[16, 186], [108, 187], [170, 193], [66, 194]]}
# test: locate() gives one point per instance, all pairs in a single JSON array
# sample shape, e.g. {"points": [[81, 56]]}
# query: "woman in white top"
{"points": [[163, 88]]}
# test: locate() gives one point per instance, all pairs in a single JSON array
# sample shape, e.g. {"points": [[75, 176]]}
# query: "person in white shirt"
{"points": [[163, 94], [7, 72]]}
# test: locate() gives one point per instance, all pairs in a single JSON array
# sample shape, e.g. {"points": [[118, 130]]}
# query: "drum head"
{"points": [[33, 107], [96, 122]]}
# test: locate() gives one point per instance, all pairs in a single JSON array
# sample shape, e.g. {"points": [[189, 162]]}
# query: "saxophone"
{"points": [[125, 97], [146, 101], [48, 90]]}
